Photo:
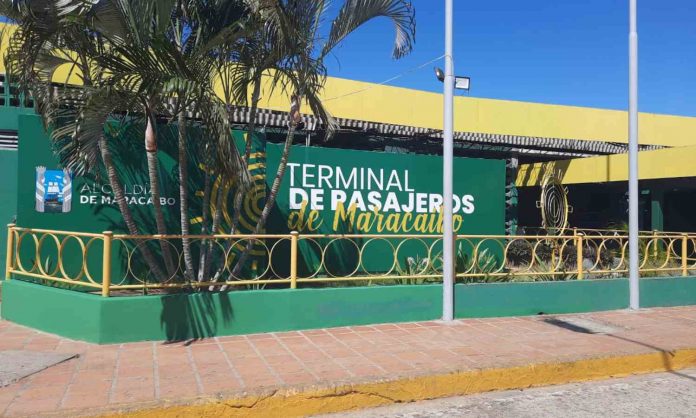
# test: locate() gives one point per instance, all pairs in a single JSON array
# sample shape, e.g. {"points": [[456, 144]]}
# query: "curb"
{"points": [[296, 403]]}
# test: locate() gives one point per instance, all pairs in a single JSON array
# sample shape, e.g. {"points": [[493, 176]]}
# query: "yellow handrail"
{"points": [[336, 258]]}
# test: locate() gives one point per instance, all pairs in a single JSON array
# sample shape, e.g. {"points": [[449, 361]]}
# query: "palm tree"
{"points": [[205, 34], [176, 60], [263, 56], [137, 60], [298, 22], [137, 56], [134, 58], [42, 42]]}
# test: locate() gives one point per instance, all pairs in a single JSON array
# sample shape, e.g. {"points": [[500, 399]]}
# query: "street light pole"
{"points": [[447, 174], [634, 289]]}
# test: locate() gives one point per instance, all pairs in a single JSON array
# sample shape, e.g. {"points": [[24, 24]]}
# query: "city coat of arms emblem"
{"points": [[53, 190]]}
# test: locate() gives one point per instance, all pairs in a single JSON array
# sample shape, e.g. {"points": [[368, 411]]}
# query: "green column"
{"points": [[511, 195], [657, 219], [8, 192]]}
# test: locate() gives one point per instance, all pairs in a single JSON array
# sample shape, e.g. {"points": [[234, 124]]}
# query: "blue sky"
{"points": [[571, 52]]}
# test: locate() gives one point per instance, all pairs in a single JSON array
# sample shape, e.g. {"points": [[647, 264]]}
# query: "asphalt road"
{"points": [[663, 395]]}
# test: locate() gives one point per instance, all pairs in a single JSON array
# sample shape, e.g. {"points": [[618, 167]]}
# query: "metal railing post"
{"points": [[294, 238], [581, 274], [684, 255], [106, 263], [10, 251]]}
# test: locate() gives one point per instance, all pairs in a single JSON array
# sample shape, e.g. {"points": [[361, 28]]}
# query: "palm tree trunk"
{"points": [[203, 260], [217, 217], [238, 200], [271, 198], [251, 131], [295, 119], [275, 187], [183, 198], [153, 174], [251, 126], [120, 198], [217, 221]]}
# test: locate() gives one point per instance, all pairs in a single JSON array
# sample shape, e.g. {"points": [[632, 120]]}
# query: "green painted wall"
{"points": [[92, 207], [9, 117], [175, 317], [404, 187], [66, 313], [482, 179], [519, 299], [361, 192], [8, 199], [412, 179], [35, 150], [664, 292]]}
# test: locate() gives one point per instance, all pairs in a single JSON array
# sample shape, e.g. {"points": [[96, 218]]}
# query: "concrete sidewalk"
{"points": [[328, 370]]}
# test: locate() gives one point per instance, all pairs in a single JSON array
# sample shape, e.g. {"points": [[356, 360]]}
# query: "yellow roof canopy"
{"points": [[658, 164], [358, 100]]}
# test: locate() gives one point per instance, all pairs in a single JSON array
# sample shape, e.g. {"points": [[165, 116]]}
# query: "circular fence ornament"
{"points": [[554, 204]]}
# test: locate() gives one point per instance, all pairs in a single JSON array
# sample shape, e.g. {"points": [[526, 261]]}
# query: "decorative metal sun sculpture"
{"points": [[223, 193], [554, 204]]}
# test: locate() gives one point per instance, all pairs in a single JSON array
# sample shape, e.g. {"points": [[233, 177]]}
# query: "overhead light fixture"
{"points": [[439, 74], [460, 83]]}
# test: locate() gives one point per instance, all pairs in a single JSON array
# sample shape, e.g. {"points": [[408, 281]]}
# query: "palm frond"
{"points": [[355, 13]]}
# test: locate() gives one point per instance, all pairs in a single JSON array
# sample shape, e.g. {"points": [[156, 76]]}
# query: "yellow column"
{"points": [[579, 241], [294, 238], [106, 263], [10, 251]]}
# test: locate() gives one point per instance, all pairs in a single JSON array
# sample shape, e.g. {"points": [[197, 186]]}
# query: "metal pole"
{"points": [[634, 290], [447, 163]]}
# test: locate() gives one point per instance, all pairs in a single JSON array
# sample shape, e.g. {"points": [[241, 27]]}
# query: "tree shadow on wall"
{"points": [[193, 316], [126, 144], [127, 148], [341, 256]]}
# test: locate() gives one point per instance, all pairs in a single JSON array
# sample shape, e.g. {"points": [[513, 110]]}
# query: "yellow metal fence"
{"points": [[109, 263]]}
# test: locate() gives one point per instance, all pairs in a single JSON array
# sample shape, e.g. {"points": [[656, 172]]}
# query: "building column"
{"points": [[657, 218]]}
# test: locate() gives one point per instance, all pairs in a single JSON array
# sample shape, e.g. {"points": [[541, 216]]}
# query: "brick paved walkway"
{"points": [[117, 375]]}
